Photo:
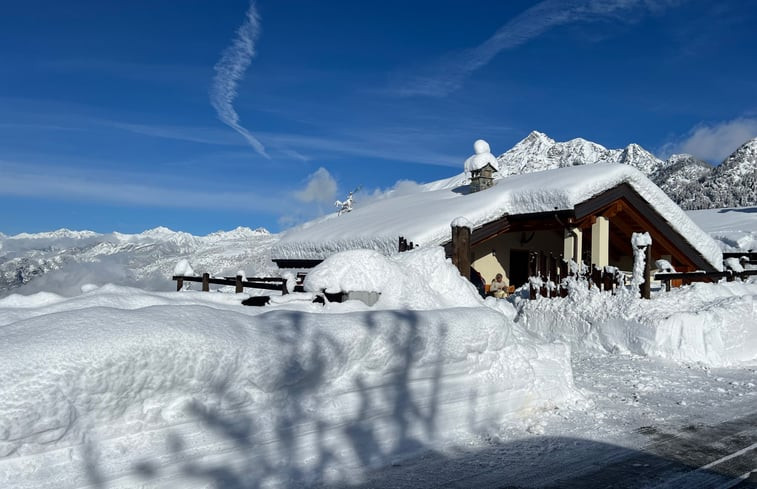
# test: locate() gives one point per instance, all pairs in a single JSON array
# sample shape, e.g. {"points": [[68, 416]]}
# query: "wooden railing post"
{"points": [[461, 252], [239, 289], [646, 287], [206, 282], [179, 284]]}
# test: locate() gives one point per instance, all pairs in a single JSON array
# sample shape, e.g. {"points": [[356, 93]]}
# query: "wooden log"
{"points": [[206, 282], [239, 288]]}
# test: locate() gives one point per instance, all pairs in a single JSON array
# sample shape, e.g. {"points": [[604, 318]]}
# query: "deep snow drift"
{"points": [[120, 387], [126, 387]]}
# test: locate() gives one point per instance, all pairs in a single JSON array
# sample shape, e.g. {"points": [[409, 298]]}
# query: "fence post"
{"points": [[646, 287], [179, 284], [239, 289], [206, 282]]}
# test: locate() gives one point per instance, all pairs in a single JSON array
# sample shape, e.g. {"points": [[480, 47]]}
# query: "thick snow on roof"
{"points": [[425, 217], [481, 158]]}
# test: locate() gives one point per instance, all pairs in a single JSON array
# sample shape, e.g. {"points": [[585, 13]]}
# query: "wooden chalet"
{"points": [[583, 213], [596, 231]]}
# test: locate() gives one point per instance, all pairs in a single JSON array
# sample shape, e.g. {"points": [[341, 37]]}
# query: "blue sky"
{"points": [[202, 115]]}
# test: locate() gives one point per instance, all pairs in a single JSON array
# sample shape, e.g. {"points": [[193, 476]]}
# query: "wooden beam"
{"points": [[461, 250]]}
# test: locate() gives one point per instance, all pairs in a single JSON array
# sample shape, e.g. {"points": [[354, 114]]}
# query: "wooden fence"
{"points": [[686, 278], [548, 272], [266, 283]]}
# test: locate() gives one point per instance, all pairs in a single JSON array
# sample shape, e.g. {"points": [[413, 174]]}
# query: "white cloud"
{"points": [[320, 189], [230, 68], [448, 74], [715, 142]]}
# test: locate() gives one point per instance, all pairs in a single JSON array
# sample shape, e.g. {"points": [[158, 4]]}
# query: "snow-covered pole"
{"points": [[642, 263], [461, 252]]}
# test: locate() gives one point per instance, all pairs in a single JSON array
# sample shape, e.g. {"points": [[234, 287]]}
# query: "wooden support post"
{"points": [[179, 284], [667, 285], [543, 266], [553, 268], [596, 276], [206, 282], [646, 287], [607, 281], [239, 289], [461, 252]]}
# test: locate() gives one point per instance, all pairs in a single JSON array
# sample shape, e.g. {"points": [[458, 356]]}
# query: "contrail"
{"points": [[230, 68], [449, 73]]}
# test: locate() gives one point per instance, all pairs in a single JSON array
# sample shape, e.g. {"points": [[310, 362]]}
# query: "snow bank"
{"points": [[122, 388], [714, 324], [417, 279]]}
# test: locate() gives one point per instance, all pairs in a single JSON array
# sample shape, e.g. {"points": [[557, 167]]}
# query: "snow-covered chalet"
{"points": [[585, 212]]}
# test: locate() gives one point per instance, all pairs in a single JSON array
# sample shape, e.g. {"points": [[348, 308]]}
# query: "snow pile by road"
{"points": [[712, 324], [119, 387]]}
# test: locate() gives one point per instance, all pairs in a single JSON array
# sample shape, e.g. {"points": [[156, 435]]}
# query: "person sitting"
{"points": [[498, 288]]}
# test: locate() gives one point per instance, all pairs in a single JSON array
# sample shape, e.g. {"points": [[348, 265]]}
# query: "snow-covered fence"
{"points": [[405, 245], [550, 276], [266, 283], [686, 278]]}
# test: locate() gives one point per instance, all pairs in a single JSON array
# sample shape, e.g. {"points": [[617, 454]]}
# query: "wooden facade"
{"points": [[502, 244]]}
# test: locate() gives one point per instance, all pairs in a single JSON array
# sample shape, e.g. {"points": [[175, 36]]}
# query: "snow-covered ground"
{"points": [[734, 228], [117, 386], [122, 387]]}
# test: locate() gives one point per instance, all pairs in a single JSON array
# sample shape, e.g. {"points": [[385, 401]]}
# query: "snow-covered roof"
{"points": [[425, 217]]}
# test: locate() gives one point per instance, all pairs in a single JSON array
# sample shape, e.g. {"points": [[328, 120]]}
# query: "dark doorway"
{"points": [[518, 267]]}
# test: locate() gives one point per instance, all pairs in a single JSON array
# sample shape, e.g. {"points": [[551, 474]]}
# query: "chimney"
{"points": [[481, 166]]}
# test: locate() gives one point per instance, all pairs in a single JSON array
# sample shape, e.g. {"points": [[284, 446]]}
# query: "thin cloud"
{"points": [[320, 188], [449, 74], [230, 69], [715, 142], [30, 180]]}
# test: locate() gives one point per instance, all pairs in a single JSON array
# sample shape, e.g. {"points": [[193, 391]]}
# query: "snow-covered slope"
{"points": [[62, 261], [680, 179], [734, 182]]}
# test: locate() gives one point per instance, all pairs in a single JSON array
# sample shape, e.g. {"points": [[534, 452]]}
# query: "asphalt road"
{"points": [[698, 457], [721, 456]]}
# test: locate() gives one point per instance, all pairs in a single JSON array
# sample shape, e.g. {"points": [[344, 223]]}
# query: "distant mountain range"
{"points": [[690, 182], [64, 260]]}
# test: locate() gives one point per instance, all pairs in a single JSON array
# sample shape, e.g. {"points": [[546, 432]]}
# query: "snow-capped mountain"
{"points": [[680, 179], [539, 152], [734, 182], [690, 182], [65, 260]]}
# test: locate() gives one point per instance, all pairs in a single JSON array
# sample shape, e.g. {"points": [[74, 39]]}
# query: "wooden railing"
{"points": [[548, 273], [687, 278], [266, 283]]}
